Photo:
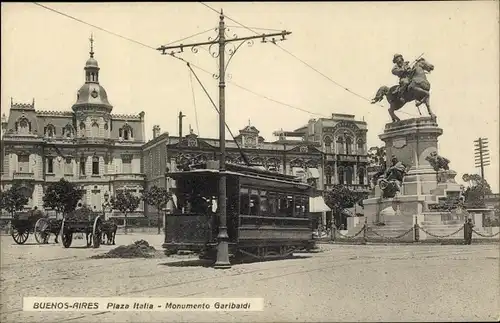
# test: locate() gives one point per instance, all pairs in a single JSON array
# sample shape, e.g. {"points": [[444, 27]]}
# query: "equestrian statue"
{"points": [[413, 86]]}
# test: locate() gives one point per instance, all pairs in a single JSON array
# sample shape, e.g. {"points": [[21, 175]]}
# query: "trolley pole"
{"points": [[221, 41]]}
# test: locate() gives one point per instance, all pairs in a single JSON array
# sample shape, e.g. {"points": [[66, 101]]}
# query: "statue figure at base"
{"points": [[390, 183], [413, 86], [440, 165]]}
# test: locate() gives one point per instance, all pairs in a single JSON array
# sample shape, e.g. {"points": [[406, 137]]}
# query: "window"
{"points": [[348, 175], [254, 202], [127, 165], [95, 165], [361, 146], [244, 201], [50, 131], [23, 126], [328, 144], [340, 173], [300, 207], [348, 143], [361, 176], [264, 203], [340, 145], [50, 165], [68, 166], [67, 131], [24, 163], [328, 175], [285, 205], [95, 129], [82, 128], [82, 165], [272, 199], [106, 126], [126, 132]]}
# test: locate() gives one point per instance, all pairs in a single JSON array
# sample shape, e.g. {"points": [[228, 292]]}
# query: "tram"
{"points": [[267, 213]]}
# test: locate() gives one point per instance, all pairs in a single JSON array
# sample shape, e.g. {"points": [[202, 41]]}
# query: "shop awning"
{"points": [[312, 173], [317, 204]]}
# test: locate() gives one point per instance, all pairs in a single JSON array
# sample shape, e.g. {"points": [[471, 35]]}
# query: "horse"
{"points": [[109, 229], [418, 90]]}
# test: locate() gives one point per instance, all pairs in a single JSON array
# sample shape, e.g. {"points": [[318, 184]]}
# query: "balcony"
{"points": [[24, 176], [347, 158], [127, 177], [352, 187]]}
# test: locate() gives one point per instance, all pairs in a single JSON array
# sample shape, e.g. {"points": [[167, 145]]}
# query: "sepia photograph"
{"points": [[250, 161]]}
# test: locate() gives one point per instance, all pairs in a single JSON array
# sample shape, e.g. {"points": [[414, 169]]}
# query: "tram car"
{"points": [[267, 213]]}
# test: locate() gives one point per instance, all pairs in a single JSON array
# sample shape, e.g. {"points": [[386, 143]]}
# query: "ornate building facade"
{"points": [[342, 142], [88, 145]]}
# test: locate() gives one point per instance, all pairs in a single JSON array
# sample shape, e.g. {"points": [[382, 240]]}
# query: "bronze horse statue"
{"points": [[418, 90]]}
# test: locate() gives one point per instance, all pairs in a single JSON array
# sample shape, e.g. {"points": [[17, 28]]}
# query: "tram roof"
{"points": [[211, 169]]}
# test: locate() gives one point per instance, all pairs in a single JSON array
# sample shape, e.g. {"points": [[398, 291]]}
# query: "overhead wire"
{"points": [[194, 104], [179, 58], [299, 59]]}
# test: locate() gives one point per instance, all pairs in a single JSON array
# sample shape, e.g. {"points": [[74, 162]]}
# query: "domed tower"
{"points": [[92, 108]]}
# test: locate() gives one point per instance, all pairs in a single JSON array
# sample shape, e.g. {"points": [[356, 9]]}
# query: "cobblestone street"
{"points": [[342, 283]]}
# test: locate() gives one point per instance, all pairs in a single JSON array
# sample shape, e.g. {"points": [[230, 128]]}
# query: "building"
{"points": [[87, 145], [324, 152], [342, 140]]}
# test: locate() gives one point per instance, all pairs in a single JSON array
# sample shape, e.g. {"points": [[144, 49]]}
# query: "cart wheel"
{"points": [[97, 232], [67, 237], [40, 231], [19, 236]]}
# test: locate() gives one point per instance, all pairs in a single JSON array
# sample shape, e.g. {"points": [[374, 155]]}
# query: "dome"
{"points": [[94, 94], [91, 62]]}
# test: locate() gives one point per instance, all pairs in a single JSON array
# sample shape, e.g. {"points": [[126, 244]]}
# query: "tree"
{"points": [[158, 197], [477, 189], [62, 196], [125, 203], [338, 199], [13, 199]]}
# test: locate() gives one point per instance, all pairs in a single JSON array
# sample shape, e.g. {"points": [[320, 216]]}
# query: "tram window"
{"points": [[264, 202], [244, 201], [254, 202], [273, 201], [299, 206]]}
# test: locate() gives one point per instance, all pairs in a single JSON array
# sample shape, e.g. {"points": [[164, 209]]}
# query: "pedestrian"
{"points": [[468, 225]]}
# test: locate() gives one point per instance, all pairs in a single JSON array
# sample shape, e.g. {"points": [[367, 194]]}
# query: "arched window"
{"points": [[340, 145], [24, 126], [328, 173], [328, 144], [361, 176], [348, 175], [348, 145], [50, 131], [95, 129], [126, 132], [361, 147], [67, 131]]}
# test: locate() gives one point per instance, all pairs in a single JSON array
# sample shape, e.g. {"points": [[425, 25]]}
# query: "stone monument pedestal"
{"points": [[411, 142]]}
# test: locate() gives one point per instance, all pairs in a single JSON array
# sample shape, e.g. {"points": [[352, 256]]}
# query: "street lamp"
{"points": [[105, 204]]}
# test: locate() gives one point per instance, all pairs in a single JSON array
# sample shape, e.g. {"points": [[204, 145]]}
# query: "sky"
{"points": [[352, 43]]}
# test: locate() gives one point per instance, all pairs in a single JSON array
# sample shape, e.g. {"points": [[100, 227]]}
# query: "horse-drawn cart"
{"points": [[35, 222], [82, 221]]}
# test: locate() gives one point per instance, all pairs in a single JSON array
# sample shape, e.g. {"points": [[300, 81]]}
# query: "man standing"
{"points": [[468, 231], [402, 70]]}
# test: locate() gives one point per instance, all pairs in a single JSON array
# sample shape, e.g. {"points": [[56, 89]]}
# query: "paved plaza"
{"points": [[341, 283]]}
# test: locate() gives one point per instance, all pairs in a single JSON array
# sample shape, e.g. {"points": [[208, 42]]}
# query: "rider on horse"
{"points": [[402, 70]]}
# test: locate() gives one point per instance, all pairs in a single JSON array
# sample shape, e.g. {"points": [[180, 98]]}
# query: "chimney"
{"points": [[180, 124], [156, 131]]}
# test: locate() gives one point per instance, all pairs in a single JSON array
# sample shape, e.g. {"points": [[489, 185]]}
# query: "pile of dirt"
{"points": [[139, 249]]}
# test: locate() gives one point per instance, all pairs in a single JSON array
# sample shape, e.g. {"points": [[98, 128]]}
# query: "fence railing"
{"points": [[413, 234]]}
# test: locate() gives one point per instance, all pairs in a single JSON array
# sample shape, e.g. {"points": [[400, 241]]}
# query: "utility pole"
{"points": [[180, 125], [481, 154], [221, 41]]}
